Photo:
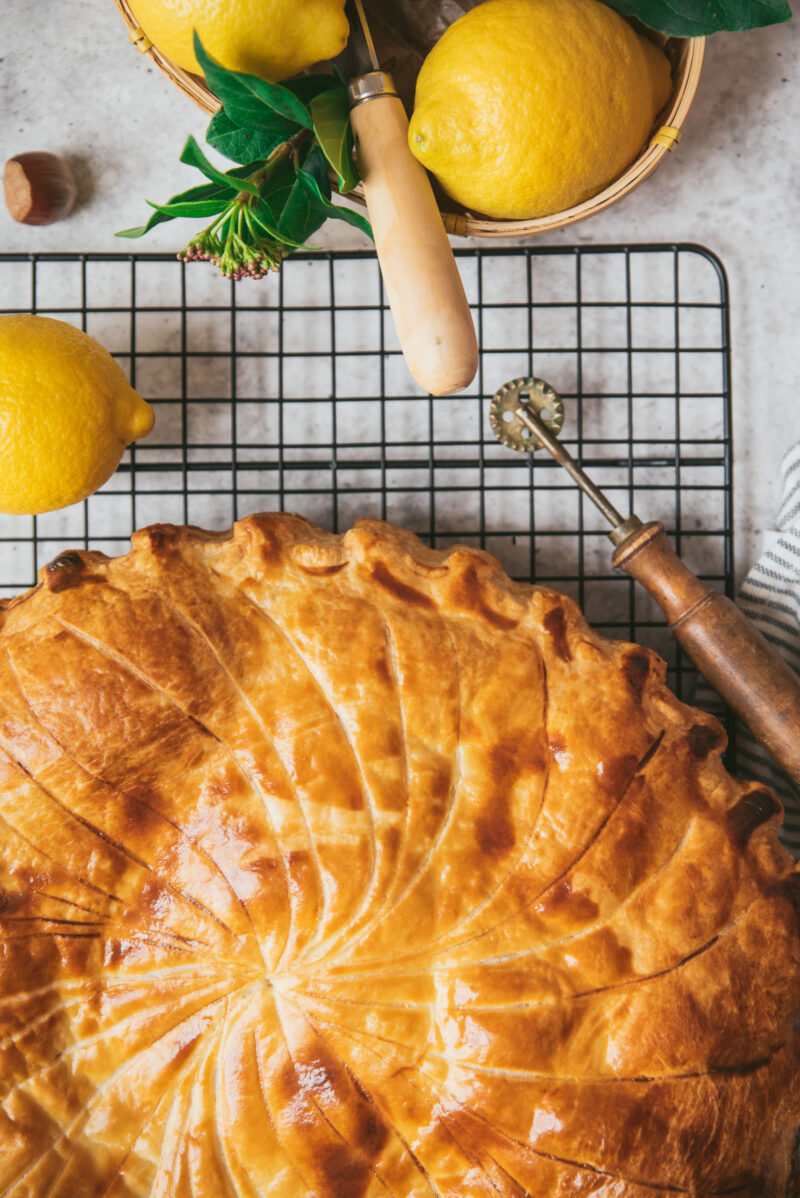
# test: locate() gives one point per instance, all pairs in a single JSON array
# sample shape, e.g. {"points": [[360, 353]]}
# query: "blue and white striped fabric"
{"points": [[770, 596]]}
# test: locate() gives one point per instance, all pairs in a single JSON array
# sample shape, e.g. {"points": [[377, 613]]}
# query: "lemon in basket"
{"points": [[66, 414], [270, 38], [528, 107]]}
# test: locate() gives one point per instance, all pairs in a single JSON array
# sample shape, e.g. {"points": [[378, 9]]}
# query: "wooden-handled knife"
{"points": [[423, 286]]}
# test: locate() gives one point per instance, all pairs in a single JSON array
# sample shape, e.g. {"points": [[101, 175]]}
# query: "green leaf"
{"points": [[286, 210], [243, 143], [138, 230], [164, 212], [333, 211], [264, 218], [306, 87], [203, 191], [192, 155], [316, 166], [246, 97], [244, 171], [197, 208], [351, 217], [330, 113], [695, 18]]}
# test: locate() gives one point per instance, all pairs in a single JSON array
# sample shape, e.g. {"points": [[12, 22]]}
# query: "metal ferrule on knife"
{"points": [[370, 87]]}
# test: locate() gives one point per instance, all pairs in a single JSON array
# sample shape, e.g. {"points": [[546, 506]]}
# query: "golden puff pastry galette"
{"points": [[337, 866]]}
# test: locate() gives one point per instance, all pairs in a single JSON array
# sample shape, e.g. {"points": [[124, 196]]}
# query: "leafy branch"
{"points": [[284, 137]]}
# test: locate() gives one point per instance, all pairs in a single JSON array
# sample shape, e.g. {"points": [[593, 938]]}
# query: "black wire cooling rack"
{"points": [[291, 393]]}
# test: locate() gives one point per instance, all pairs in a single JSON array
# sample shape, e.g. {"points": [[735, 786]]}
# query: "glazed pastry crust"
{"points": [[340, 866]]}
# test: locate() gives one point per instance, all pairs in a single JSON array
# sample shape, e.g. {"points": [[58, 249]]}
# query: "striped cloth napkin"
{"points": [[770, 596]]}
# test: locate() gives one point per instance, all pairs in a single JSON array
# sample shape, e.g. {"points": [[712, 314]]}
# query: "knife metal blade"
{"points": [[364, 24], [359, 59]]}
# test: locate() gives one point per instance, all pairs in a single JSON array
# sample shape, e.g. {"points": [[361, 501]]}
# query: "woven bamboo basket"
{"points": [[685, 55]]}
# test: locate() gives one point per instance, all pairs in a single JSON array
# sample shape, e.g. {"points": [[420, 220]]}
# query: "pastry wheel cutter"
{"points": [[755, 682]]}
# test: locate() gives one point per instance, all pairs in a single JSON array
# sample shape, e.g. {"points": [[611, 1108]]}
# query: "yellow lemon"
{"points": [[270, 38], [527, 107], [66, 414]]}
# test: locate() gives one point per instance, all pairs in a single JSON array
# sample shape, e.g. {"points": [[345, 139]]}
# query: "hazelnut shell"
{"points": [[39, 188]]}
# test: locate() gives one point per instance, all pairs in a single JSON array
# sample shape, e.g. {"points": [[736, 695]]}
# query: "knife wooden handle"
{"points": [[420, 275], [727, 649]]}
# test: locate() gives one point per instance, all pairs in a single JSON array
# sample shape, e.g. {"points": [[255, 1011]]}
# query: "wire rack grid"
{"points": [[292, 394]]}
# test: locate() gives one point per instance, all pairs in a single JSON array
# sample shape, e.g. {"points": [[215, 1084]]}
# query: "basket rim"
{"points": [[464, 224], [191, 85]]}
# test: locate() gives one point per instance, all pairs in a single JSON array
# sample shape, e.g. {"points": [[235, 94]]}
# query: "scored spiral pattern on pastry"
{"points": [[344, 867]]}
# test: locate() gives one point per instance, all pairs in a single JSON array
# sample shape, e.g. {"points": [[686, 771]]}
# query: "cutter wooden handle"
{"points": [[423, 286], [724, 645]]}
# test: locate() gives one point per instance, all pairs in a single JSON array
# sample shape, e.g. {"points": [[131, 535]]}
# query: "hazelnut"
{"points": [[39, 188]]}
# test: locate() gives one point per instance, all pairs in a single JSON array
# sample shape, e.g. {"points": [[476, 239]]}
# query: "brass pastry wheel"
{"points": [[755, 682]]}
